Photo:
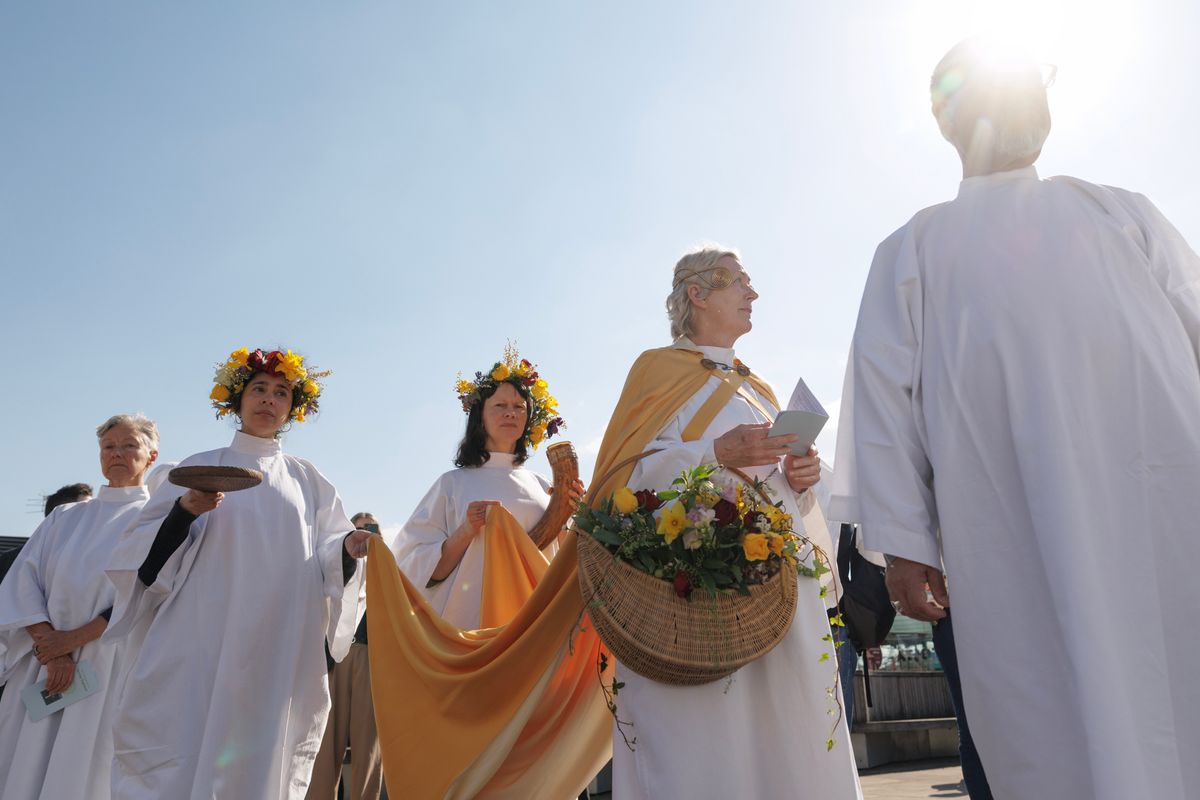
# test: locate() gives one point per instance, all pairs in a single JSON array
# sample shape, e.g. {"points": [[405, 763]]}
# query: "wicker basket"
{"points": [[661, 636]]}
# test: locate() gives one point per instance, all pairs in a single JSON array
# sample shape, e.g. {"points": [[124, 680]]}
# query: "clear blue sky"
{"points": [[396, 189]]}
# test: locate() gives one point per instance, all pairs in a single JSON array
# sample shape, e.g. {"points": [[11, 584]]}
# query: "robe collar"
{"points": [[499, 461], [255, 445], [978, 182], [722, 355], [122, 494]]}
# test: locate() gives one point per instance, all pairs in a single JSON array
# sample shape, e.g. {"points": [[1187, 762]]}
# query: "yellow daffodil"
{"points": [[298, 414], [220, 393], [239, 357], [464, 387], [311, 388], [540, 389], [672, 522], [537, 434], [755, 546], [624, 500], [521, 369], [291, 366], [501, 372]]}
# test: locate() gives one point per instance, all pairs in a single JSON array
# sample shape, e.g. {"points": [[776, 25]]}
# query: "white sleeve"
{"points": [[418, 546], [344, 597], [883, 478]]}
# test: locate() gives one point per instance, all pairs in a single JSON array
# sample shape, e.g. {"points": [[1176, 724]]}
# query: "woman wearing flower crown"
{"points": [[510, 411], [231, 599], [764, 731]]}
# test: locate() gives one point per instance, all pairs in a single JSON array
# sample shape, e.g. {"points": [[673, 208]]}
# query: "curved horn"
{"points": [[564, 465]]}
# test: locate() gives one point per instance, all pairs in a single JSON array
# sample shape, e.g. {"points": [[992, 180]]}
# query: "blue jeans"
{"points": [[972, 767], [847, 664]]}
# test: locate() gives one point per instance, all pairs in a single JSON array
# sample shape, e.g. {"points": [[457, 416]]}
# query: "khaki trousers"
{"points": [[351, 721]]}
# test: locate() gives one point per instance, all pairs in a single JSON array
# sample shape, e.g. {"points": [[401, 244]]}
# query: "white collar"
{"points": [[722, 355], [976, 182], [255, 445], [122, 494], [499, 461]]}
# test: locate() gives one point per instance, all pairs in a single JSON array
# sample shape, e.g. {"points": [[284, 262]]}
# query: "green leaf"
{"points": [[668, 495], [607, 536]]}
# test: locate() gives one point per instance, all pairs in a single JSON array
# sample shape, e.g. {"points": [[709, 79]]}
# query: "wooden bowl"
{"points": [[215, 479]]}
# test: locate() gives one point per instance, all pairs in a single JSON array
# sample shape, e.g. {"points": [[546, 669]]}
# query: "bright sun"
{"points": [[1088, 41]]}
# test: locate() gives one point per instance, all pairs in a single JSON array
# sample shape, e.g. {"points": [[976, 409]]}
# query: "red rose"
{"points": [[683, 584], [648, 499], [750, 522], [726, 512]]}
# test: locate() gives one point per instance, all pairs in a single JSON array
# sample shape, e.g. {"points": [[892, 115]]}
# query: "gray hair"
{"points": [[145, 428], [990, 101], [694, 269]]}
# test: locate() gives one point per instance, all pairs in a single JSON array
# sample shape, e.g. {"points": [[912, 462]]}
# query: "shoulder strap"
{"points": [[715, 402]]}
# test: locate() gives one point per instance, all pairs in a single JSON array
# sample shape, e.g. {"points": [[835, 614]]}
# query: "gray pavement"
{"points": [[913, 780]]}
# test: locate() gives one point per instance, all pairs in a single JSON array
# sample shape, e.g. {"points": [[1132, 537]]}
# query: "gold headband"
{"points": [[721, 278]]}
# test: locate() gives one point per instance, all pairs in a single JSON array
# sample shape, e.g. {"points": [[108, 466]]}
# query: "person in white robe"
{"points": [[1021, 405], [229, 600], [54, 606], [439, 548], [762, 732]]}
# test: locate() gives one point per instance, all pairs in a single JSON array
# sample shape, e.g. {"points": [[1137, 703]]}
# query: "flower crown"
{"points": [[234, 374], [544, 421]]}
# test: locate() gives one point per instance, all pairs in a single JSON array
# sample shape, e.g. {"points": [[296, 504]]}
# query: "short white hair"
{"points": [[990, 101], [142, 425], [694, 269]]}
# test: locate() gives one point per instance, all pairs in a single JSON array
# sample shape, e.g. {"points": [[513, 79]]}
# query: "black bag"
{"points": [[865, 605]]}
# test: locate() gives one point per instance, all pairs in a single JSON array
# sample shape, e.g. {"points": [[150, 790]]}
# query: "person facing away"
{"points": [[1020, 405]]}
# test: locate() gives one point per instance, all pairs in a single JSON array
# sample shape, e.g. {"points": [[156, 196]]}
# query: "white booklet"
{"points": [[42, 704], [805, 424]]}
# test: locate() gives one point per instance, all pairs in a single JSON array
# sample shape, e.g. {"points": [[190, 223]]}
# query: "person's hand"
{"points": [[52, 644], [907, 582], [575, 493], [477, 515], [196, 502], [802, 472], [59, 674], [357, 541], [748, 446]]}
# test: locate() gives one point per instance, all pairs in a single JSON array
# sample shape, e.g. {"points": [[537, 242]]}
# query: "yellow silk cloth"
{"points": [[513, 711], [503, 712]]}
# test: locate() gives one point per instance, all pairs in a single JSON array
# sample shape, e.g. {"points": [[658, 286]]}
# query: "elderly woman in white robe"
{"points": [[54, 606], [439, 549], [763, 732], [231, 599]]}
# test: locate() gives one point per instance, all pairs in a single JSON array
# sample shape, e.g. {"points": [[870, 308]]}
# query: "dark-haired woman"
{"points": [[509, 412], [229, 601]]}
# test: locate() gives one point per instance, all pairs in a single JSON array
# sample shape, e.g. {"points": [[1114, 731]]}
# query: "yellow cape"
{"points": [[513, 711]]}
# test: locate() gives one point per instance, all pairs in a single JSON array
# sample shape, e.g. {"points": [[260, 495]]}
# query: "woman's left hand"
{"points": [[49, 645], [802, 472], [356, 542], [575, 493]]}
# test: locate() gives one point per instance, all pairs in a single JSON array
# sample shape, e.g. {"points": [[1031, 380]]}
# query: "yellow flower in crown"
{"points": [[541, 390], [755, 546], [624, 500], [501, 373], [672, 522], [239, 357], [291, 366], [220, 393], [311, 387]]}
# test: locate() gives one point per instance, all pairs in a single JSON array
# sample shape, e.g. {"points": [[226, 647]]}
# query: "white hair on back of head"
{"points": [[696, 268], [145, 428], [991, 101]]}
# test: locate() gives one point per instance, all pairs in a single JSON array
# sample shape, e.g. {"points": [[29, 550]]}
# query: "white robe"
{"points": [[59, 578], [760, 733], [418, 546], [227, 695], [1024, 377]]}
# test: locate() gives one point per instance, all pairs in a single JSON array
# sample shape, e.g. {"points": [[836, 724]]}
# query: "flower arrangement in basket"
{"points": [[689, 584], [699, 534]]}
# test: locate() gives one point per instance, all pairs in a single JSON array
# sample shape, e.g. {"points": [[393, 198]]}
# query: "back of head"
{"points": [[990, 102], [71, 493]]}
